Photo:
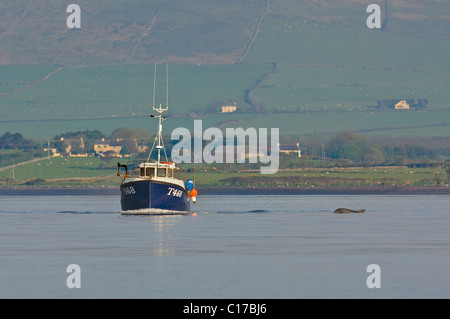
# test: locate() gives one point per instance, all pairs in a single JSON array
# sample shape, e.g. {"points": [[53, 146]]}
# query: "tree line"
{"points": [[347, 148], [355, 149]]}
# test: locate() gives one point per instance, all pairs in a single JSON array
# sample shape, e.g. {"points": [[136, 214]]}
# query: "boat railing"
{"points": [[133, 167]]}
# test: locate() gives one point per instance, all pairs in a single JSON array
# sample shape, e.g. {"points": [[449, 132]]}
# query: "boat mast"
{"points": [[160, 110]]}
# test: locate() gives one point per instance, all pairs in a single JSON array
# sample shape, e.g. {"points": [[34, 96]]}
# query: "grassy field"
{"points": [[310, 43], [117, 91], [86, 172], [59, 167], [19, 77], [330, 68], [301, 125], [322, 88], [318, 99], [331, 177]]}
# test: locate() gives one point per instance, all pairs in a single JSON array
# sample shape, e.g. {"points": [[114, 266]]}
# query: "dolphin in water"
{"points": [[346, 210]]}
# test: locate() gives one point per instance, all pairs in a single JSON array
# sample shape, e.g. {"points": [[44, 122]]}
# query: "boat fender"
{"points": [[194, 195], [189, 184]]}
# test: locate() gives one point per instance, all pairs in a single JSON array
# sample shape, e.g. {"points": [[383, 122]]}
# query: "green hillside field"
{"points": [[93, 172], [297, 99], [306, 67]]}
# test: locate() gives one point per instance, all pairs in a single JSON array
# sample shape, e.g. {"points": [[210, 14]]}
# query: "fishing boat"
{"points": [[151, 187]]}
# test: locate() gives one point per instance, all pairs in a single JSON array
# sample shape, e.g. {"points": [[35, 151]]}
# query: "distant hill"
{"points": [[191, 31], [131, 31], [308, 67]]}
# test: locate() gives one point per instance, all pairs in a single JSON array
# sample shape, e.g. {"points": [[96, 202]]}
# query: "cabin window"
{"points": [[149, 171], [170, 172], [142, 172], [161, 172]]}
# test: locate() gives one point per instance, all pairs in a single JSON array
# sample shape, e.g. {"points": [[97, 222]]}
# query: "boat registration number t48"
{"points": [[175, 192]]}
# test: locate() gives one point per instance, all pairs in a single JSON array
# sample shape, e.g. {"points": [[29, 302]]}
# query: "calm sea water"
{"points": [[234, 247]]}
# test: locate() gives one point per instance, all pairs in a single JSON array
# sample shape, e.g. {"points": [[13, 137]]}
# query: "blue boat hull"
{"points": [[146, 194]]}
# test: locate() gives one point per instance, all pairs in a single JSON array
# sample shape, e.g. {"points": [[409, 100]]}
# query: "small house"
{"points": [[228, 108], [402, 105], [290, 149], [104, 145]]}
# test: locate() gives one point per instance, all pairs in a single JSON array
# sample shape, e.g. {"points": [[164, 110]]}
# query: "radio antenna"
{"points": [[159, 143], [167, 85], [154, 86]]}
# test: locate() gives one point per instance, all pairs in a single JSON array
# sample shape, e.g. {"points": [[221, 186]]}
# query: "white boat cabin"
{"points": [[163, 169]]}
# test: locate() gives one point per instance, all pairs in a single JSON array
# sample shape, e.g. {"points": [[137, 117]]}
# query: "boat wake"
{"points": [[161, 212], [156, 211]]}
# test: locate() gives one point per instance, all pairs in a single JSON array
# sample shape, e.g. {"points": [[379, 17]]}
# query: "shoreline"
{"points": [[368, 190]]}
